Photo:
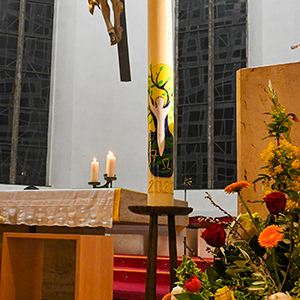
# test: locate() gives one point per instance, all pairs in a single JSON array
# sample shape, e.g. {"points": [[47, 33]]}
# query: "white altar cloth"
{"points": [[72, 208]]}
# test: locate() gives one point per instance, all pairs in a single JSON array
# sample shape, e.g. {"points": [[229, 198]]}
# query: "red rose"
{"points": [[275, 202], [214, 235], [193, 285]]}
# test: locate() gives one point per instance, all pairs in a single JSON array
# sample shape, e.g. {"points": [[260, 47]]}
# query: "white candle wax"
{"points": [[110, 164], [94, 170]]}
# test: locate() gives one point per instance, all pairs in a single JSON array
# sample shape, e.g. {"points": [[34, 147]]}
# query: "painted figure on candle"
{"points": [[160, 119], [160, 112], [115, 32]]}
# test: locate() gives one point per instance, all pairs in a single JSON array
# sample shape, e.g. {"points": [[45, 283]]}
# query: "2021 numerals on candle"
{"points": [[160, 186]]}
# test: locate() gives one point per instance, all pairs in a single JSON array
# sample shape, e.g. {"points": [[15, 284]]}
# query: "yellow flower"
{"points": [[224, 294], [295, 185], [296, 164], [270, 236], [247, 222], [290, 204], [268, 190], [268, 152], [236, 187], [278, 169], [287, 148]]}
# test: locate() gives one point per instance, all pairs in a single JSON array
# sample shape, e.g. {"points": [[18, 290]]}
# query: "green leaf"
{"points": [[293, 194], [186, 296], [160, 83], [283, 272], [286, 241], [257, 274], [256, 288], [162, 67], [261, 177], [259, 250], [233, 258], [241, 263], [258, 282], [270, 219], [211, 273]]}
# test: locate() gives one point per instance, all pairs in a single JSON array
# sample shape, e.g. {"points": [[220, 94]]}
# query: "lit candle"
{"points": [[110, 164], [94, 170]]}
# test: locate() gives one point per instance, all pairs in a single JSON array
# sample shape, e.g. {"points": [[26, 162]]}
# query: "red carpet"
{"points": [[130, 276]]}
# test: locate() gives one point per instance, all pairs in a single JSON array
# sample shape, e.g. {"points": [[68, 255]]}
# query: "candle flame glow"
{"points": [[110, 154], [94, 159]]}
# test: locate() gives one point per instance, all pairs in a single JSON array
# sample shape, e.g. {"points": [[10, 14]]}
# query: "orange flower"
{"points": [[270, 236], [236, 187], [167, 297]]}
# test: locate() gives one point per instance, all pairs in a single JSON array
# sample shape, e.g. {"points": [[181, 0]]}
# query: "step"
{"points": [[136, 291], [140, 261], [136, 275], [130, 276]]}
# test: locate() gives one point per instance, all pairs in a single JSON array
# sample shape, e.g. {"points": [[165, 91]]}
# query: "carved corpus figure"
{"points": [[160, 113], [115, 32]]}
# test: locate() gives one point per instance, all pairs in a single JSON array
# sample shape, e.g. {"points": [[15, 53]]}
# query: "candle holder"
{"points": [[108, 184]]}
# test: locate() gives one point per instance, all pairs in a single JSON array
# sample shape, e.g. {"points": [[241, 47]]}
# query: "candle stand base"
{"points": [[154, 212], [94, 184], [108, 184]]}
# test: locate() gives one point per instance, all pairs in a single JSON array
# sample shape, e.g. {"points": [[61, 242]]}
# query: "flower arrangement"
{"points": [[255, 258]]}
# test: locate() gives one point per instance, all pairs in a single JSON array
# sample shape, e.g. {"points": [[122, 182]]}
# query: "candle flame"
{"points": [[94, 159], [110, 154]]}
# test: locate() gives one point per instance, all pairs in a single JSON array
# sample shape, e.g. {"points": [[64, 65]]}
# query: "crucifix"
{"points": [[117, 32]]}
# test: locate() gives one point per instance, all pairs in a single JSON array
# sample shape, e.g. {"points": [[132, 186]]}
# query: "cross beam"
{"points": [[117, 32], [123, 53]]}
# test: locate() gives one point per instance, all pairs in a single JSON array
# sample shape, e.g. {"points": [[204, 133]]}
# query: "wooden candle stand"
{"points": [[154, 212]]}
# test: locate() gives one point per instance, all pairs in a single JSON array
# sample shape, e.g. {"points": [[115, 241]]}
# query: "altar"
{"points": [[85, 211], [77, 208], [48, 230]]}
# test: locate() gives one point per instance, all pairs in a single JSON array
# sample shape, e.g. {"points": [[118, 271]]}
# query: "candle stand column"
{"points": [[154, 212]]}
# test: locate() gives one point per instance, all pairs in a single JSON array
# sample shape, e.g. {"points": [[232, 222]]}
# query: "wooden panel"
{"points": [[94, 268], [252, 104], [22, 266], [0, 258], [22, 269]]}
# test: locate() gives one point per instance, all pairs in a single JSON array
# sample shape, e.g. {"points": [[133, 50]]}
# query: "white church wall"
{"points": [[93, 112], [203, 207], [273, 26]]}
